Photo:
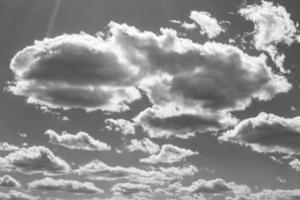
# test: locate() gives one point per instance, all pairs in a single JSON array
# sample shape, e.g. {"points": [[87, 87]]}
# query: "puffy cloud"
{"points": [[71, 186], [81, 141], [267, 133], [121, 125], [169, 154], [8, 181], [270, 195], [128, 189], [165, 122], [145, 145], [214, 186], [4, 146], [208, 24], [97, 170], [273, 25], [295, 164], [36, 159], [83, 71], [17, 195], [73, 71]]}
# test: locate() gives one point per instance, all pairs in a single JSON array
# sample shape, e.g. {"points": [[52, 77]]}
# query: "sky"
{"points": [[149, 100]]}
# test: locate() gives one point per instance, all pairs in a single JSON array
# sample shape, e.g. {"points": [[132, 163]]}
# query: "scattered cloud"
{"points": [[16, 195], [128, 189], [169, 154], [120, 125], [145, 145], [166, 122], [36, 159], [295, 164], [267, 133], [209, 25], [71, 186], [273, 25], [97, 170], [8, 181], [81, 140], [4, 146]]}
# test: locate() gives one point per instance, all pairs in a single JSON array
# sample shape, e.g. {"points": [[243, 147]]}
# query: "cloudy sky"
{"points": [[149, 100]]}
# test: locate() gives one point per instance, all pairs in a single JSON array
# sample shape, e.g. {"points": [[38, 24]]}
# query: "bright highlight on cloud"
{"points": [[80, 141], [273, 25]]}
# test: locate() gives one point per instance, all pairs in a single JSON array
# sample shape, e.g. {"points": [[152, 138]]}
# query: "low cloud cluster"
{"points": [[36, 159], [8, 181], [97, 170], [169, 154], [71, 186], [81, 140], [120, 125], [145, 145]]}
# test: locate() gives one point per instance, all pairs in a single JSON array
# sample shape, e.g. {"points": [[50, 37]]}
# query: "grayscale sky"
{"points": [[149, 100]]}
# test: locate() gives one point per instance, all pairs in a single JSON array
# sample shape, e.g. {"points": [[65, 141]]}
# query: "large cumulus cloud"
{"points": [[73, 71], [103, 72]]}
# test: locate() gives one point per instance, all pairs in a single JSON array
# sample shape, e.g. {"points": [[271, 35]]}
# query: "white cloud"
{"points": [[36, 159], [120, 125], [161, 122], [71, 186], [273, 25], [214, 186], [267, 133], [81, 140], [4, 146], [128, 189], [74, 71], [270, 195], [173, 71], [97, 170], [145, 145], [208, 24], [169, 154], [17, 195], [295, 164], [8, 181]]}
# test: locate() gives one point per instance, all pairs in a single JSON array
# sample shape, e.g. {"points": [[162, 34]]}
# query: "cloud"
{"points": [[103, 72], [273, 25], [17, 195], [295, 164], [267, 133], [8, 181], [128, 189], [164, 122], [215, 186], [120, 125], [71, 186], [4, 146], [36, 159], [145, 145], [73, 71], [270, 195], [209, 25], [81, 140], [169, 154], [97, 170]]}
